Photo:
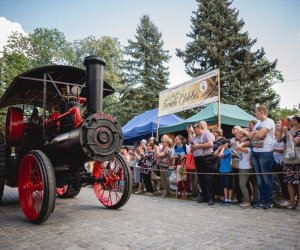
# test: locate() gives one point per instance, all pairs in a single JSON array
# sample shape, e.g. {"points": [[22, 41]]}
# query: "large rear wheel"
{"points": [[115, 186], [36, 184]]}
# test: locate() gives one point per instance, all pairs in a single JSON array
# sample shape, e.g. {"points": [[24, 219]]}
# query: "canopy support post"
{"points": [[44, 104], [219, 100], [157, 135]]}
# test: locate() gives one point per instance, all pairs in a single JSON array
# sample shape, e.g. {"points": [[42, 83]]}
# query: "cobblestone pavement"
{"points": [[147, 223]]}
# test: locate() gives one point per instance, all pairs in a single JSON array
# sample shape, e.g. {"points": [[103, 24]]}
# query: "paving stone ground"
{"points": [[147, 223]]}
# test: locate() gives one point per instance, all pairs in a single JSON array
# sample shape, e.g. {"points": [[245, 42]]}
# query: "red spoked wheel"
{"points": [[115, 189], [36, 185], [67, 191]]}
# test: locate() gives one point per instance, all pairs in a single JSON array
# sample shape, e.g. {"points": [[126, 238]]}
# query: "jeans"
{"points": [[262, 163]]}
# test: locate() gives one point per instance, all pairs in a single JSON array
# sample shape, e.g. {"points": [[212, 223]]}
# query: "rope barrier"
{"points": [[201, 173]]}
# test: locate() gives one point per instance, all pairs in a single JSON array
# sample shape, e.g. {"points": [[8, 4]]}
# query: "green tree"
{"points": [[49, 46], [11, 65], [218, 41], [145, 71], [110, 49], [14, 59], [281, 113]]}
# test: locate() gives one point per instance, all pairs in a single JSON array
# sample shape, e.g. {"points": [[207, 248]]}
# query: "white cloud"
{"points": [[7, 27]]}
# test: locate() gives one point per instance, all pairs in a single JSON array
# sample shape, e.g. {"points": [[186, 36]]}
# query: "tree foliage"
{"points": [[145, 73], [217, 41], [281, 113]]}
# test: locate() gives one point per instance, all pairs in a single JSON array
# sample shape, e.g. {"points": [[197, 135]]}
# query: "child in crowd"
{"points": [[179, 152], [225, 167]]}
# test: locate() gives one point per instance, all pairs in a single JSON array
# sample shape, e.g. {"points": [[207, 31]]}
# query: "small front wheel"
{"points": [[115, 188], [36, 185]]}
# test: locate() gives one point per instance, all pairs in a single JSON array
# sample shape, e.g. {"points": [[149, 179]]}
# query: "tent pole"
{"points": [[157, 135], [219, 100]]}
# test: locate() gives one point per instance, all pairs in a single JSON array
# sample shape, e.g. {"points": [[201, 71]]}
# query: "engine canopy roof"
{"points": [[27, 88]]}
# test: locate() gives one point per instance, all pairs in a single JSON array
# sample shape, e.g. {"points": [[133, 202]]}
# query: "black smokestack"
{"points": [[94, 83]]}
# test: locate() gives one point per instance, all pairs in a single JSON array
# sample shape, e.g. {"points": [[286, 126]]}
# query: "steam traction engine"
{"points": [[64, 150]]}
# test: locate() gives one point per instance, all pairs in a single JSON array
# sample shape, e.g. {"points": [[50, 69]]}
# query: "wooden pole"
{"points": [[219, 100]]}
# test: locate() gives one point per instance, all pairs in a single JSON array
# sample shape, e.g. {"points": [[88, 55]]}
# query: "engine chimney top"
{"points": [[94, 83], [93, 60]]}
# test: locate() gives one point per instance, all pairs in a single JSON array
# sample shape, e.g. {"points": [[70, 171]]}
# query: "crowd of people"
{"points": [[247, 168]]}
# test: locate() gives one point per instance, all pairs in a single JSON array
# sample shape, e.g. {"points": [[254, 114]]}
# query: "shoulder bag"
{"points": [[291, 154], [190, 163]]}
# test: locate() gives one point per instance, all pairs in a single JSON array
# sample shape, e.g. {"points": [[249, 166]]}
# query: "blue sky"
{"points": [[275, 23]]}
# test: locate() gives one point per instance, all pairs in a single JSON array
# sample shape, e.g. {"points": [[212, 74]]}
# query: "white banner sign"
{"points": [[193, 93]]}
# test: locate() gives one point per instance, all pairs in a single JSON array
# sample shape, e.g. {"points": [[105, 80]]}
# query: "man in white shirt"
{"points": [[262, 141]]}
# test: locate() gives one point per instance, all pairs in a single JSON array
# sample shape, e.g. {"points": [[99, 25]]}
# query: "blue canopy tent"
{"points": [[144, 126]]}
